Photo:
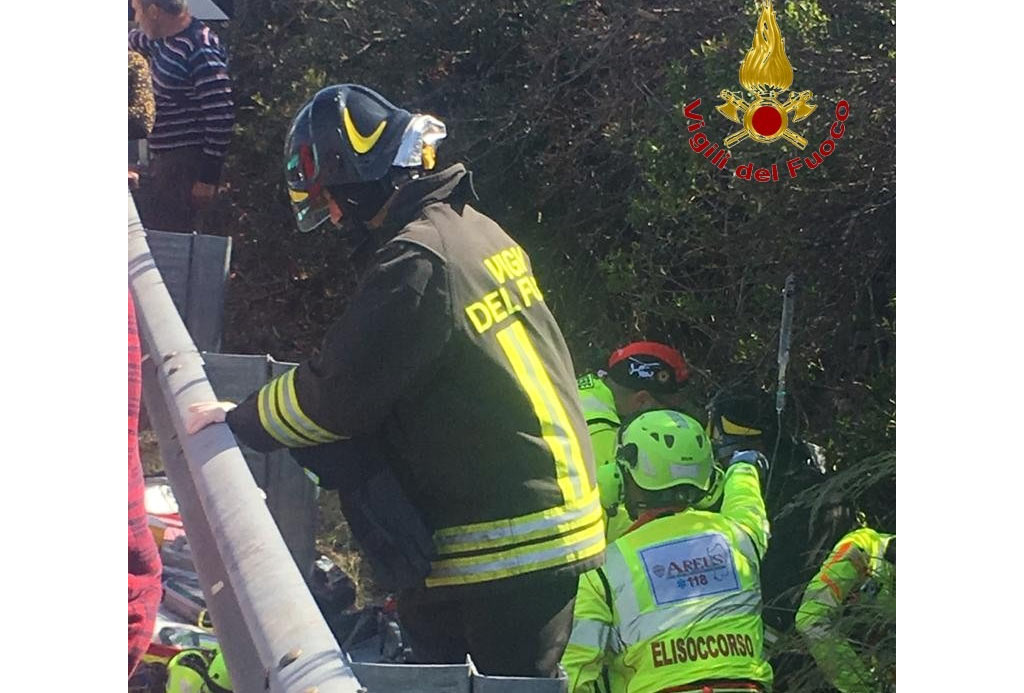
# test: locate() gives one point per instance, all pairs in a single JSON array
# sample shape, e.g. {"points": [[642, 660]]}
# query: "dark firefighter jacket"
{"points": [[449, 352]]}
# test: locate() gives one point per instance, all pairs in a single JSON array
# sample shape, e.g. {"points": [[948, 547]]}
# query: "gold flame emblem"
{"points": [[766, 74]]}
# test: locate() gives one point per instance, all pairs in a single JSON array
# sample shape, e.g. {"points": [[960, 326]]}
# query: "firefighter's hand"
{"points": [[202, 414]]}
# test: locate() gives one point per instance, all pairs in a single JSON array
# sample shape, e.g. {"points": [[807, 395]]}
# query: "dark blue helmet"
{"points": [[345, 135]]}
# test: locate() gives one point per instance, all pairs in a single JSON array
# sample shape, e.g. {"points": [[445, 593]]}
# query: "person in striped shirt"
{"points": [[194, 112]]}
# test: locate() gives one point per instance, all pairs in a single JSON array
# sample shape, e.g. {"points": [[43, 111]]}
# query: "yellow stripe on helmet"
{"points": [[362, 143], [735, 429]]}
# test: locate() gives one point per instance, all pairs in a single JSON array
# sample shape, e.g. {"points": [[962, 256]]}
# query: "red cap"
{"points": [[648, 366]]}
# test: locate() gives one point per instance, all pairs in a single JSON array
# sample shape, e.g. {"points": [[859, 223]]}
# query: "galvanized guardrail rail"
{"points": [[271, 632]]}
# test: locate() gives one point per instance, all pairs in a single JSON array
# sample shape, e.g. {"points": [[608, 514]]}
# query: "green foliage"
{"points": [[570, 115], [806, 18]]}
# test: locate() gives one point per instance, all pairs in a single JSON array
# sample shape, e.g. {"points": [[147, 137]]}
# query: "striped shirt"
{"points": [[193, 94]]}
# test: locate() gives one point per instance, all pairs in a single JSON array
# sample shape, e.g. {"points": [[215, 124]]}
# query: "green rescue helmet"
{"points": [[664, 448], [609, 484], [186, 672], [198, 671], [218, 680]]}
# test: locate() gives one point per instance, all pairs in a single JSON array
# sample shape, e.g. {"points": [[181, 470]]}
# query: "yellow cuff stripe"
{"points": [[283, 418], [271, 422], [294, 415]]}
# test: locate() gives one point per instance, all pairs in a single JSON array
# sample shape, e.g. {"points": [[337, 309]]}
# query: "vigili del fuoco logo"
{"points": [[766, 75]]}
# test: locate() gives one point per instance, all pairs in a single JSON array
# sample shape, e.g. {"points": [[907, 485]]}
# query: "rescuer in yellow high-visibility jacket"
{"points": [[677, 605], [641, 376], [854, 594]]}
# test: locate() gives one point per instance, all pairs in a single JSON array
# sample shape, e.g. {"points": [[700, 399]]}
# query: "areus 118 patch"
{"points": [[690, 568]]}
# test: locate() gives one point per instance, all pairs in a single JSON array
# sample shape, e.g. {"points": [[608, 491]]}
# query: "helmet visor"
{"points": [[310, 213], [300, 172]]}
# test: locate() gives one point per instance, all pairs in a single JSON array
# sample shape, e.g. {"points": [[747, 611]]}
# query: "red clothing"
{"points": [[144, 567]]}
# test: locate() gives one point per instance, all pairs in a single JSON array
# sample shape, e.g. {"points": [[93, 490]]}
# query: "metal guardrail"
{"points": [[269, 627], [291, 494], [267, 624]]}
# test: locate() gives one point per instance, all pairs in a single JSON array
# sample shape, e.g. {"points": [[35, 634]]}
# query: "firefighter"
{"points": [[450, 362], [641, 376], [852, 599], [677, 604]]}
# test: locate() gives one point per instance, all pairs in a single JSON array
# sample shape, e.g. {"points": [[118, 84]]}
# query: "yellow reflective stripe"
{"points": [[555, 428], [578, 469], [494, 535], [593, 405], [525, 559], [821, 594], [461, 531], [511, 345], [620, 578], [815, 632], [652, 624], [294, 416], [271, 422], [586, 632]]}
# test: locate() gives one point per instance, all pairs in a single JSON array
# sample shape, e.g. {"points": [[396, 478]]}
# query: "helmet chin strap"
{"points": [[378, 219], [363, 233], [674, 499], [399, 179], [637, 510]]}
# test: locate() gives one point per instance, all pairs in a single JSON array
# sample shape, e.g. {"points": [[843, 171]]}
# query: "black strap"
{"points": [[214, 686], [611, 607], [196, 660]]}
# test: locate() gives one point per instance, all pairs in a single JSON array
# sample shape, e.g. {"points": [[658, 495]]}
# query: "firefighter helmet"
{"points": [[348, 136]]}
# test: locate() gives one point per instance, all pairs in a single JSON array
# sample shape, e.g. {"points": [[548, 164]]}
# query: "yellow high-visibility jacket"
{"points": [[677, 601], [603, 426], [855, 581]]}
